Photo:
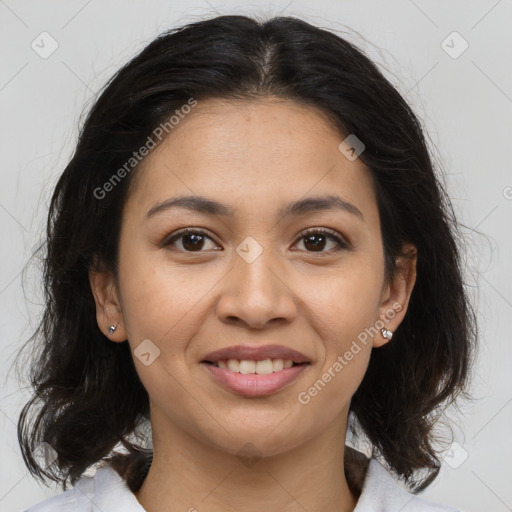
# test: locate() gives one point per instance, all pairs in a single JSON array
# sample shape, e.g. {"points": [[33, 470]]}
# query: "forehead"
{"points": [[245, 150]]}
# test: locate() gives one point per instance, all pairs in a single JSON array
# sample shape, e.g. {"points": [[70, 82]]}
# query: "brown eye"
{"points": [[191, 240], [316, 240]]}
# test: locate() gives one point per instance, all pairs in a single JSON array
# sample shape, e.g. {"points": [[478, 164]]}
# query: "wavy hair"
{"points": [[87, 397]]}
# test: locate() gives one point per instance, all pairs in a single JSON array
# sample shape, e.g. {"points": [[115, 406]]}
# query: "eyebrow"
{"points": [[205, 206]]}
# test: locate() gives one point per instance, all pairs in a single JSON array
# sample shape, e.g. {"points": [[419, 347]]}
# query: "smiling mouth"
{"points": [[261, 367]]}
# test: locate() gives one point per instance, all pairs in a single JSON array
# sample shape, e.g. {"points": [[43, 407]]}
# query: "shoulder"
{"points": [[68, 500], [62, 502], [381, 492], [106, 491]]}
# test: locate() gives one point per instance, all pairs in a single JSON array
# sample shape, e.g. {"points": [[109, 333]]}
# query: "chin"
{"points": [[265, 442]]}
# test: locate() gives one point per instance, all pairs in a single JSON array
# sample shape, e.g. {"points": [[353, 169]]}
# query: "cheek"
{"points": [[159, 300], [344, 308], [158, 305], [342, 315], [345, 301]]}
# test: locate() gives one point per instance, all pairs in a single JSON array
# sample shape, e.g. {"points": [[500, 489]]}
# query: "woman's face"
{"points": [[254, 271]]}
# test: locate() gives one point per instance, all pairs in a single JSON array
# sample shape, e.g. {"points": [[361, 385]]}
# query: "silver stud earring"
{"points": [[386, 334], [112, 329]]}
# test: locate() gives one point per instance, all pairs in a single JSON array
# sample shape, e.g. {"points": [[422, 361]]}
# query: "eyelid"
{"points": [[342, 242], [175, 235]]}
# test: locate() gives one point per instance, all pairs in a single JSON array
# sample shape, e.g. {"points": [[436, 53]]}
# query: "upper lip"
{"points": [[256, 353]]}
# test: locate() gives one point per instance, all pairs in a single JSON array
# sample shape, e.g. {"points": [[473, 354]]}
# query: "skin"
{"points": [[254, 157]]}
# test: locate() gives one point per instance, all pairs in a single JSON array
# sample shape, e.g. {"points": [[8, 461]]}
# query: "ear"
{"points": [[108, 306], [396, 293]]}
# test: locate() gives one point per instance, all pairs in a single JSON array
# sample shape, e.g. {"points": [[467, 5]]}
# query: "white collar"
{"points": [[106, 491]]}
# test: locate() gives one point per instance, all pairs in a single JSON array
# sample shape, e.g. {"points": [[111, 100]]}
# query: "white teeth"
{"points": [[278, 365], [247, 366], [263, 367], [233, 365]]}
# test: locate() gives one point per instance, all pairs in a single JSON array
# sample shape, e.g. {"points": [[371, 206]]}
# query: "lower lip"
{"points": [[253, 384]]}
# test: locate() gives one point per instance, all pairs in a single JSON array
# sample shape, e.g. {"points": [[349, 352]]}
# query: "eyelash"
{"points": [[341, 243]]}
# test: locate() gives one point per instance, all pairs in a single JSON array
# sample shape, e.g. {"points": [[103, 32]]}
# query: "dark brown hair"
{"points": [[79, 406]]}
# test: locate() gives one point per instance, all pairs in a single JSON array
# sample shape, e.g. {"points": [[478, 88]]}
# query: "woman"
{"points": [[249, 248]]}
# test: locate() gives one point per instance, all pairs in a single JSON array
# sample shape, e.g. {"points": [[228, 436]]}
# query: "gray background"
{"points": [[464, 102]]}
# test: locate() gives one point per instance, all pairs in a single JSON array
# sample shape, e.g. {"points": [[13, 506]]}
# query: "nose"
{"points": [[256, 294]]}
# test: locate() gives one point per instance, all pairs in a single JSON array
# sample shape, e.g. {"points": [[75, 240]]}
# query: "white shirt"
{"points": [[106, 491]]}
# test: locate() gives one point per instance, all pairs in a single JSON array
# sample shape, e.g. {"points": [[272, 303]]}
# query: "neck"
{"points": [[186, 474]]}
